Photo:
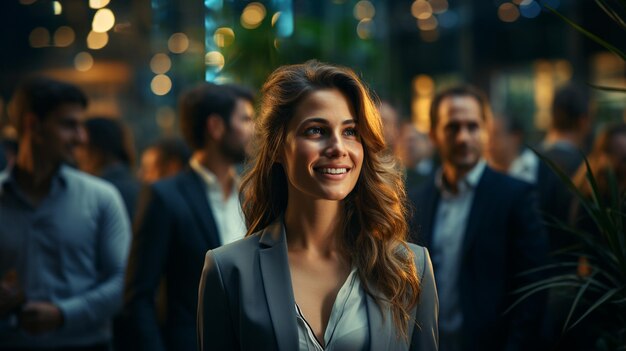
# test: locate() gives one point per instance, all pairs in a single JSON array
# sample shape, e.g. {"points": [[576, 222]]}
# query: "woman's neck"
{"points": [[314, 226]]}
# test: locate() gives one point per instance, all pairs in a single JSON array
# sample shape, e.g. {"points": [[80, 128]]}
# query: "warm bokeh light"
{"points": [[39, 37], [215, 59], [429, 36], [224, 36], [97, 40], [178, 43], [544, 93], [160, 63], [253, 15], [276, 44], [508, 12], [98, 4], [365, 28], [64, 36], [103, 20], [364, 9], [161, 84], [56, 6], [439, 6], [275, 18], [421, 9], [427, 24], [83, 61], [423, 91]]}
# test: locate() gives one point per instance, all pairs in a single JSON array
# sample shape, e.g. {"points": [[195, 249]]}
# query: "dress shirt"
{"points": [[231, 225], [448, 235], [348, 327], [525, 167], [70, 249]]}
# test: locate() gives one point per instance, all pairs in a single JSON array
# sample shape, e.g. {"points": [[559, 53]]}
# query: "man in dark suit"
{"points": [[570, 125], [184, 216], [482, 228]]}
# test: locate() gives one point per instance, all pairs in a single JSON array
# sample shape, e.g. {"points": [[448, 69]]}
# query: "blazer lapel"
{"points": [[477, 212], [379, 328], [276, 277], [432, 201], [382, 330], [195, 192]]}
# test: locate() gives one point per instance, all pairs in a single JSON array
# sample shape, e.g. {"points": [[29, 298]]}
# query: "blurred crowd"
{"points": [[101, 249]]}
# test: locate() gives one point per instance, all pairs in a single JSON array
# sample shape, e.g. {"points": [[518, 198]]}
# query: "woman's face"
{"points": [[322, 155]]}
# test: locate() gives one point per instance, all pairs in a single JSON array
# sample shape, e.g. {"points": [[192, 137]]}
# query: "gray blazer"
{"points": [[246, 301]]}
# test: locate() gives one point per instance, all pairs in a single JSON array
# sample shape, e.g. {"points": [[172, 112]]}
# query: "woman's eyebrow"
{"points": [[325, 121]]}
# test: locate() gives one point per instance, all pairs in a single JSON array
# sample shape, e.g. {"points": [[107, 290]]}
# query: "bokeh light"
{"points": [[83, 61], [214, 59], [253, 15], [429, 36], [98, 4], [103, 21], [439, 6], [64, 36], [97, 40], [508, 12], [57, 8], [39, 37], [161, 84], [364, 9], [178, 43], [427, 24], [365, 28], [421, 9], [160, 63], [224, 37], [275, 18], [530, 9]]}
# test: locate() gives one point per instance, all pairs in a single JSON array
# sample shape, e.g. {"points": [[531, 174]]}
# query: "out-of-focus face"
{"points": [[150, 169], [412, 146], [460, 134], [618, 157], [236, 142], [391, 129], [503, 147], [60, 133], [322, 155]]}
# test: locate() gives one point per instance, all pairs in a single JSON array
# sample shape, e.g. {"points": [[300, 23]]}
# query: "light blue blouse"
{"points": [[348, 327]]}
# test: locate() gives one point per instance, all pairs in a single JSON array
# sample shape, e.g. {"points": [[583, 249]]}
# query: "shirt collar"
{"points": [[209, 178], [7, 176], [468, 182]]}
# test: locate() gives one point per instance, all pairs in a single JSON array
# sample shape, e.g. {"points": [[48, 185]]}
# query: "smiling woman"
{"points": [[325, 264]]}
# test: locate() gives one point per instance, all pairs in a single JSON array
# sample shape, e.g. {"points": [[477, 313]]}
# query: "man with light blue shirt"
{"points": [[64, 235], [181, 217], [482, 229]]}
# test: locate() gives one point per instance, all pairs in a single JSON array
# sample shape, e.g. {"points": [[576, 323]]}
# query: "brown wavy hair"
{"points": [[375, 214]]}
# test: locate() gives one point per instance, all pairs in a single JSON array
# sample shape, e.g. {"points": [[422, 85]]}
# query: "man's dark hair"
{"points": [[570, 104], [241, 92], [171, 150], [463, 90], [111, 138], [41, 96], [197, 104]]}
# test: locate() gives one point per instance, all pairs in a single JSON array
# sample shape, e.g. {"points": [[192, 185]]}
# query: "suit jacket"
{"points": [[504, 236], [174, 229], [246, 300]]}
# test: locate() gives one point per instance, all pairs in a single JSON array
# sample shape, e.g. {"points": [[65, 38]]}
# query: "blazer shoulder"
{"points": [[236, 254], [494, 179], [421, 257]]}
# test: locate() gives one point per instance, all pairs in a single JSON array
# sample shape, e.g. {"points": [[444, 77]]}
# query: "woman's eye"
{"points": [[314, 131], [350, 132]]}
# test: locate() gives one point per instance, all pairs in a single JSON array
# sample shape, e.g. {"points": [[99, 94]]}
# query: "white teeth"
{"points": [[333, 170]]}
